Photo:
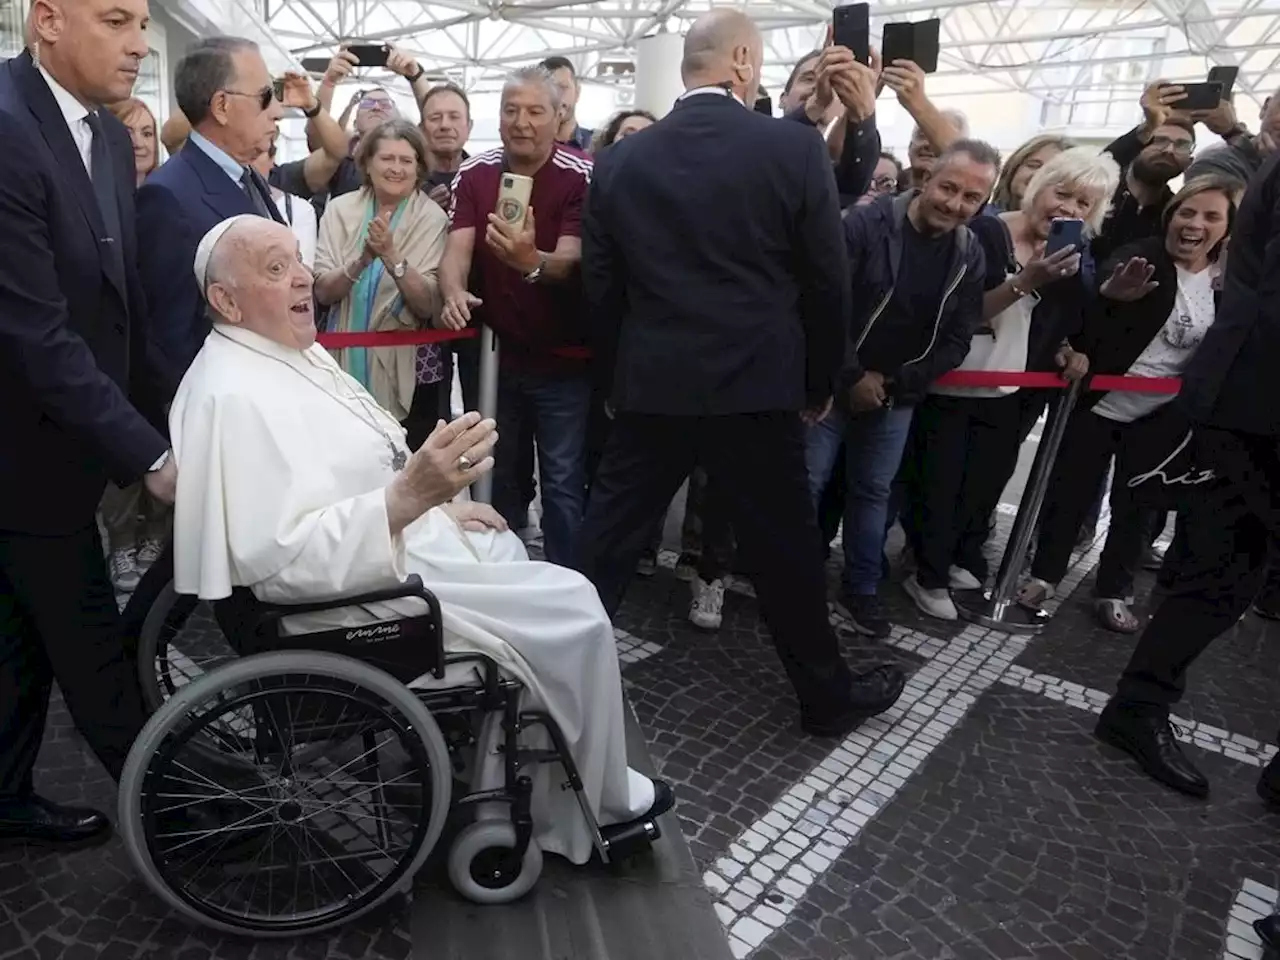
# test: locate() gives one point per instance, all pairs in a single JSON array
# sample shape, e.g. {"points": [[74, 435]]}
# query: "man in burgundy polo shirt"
{"points": [[527, 289]]}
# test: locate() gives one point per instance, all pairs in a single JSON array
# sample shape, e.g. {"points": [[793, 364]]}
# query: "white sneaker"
{"points": [[123, 569], [962, 579], [932, 603], [707, 610]]}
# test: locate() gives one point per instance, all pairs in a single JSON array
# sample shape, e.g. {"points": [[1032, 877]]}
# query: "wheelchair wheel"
{"points": [[179, 642], [329, 795], [476, 861]]}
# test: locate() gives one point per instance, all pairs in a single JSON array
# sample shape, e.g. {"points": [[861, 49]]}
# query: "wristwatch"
{"points": [[313, 112], [534, 275], [398, 269]]}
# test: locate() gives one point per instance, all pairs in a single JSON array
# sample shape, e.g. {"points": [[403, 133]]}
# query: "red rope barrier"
{"points": [[956, 378]]}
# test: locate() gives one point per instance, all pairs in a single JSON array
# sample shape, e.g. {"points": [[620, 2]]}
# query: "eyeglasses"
{"points": [[263, 96], [1167, 143], [375, 103], [885, 185]]}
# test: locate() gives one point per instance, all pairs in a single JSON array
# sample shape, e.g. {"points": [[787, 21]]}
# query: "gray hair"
{"points": [[955, 117], [535, 76], [979, 151], [205, 69]]}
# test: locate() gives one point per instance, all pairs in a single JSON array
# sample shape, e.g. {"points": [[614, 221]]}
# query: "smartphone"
{"points": [[315, 64], [764, 104], [369, 54], [898, 42], [1064, 233], [277, 88], [514, 193], [917, 42], [1199, 96], [1225, 76], [928, 40], [851, 28]]}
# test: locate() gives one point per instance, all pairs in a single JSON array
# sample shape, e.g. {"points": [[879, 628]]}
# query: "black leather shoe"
{"points": [[1268, 929], [34, 819], [1269, 787], [1149, 739], [871, 694], [664, 798]]}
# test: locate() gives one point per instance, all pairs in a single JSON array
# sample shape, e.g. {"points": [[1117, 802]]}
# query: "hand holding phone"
{"points": [[1063, 234]]}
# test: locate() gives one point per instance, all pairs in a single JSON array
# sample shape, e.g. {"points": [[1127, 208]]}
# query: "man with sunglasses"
{"points": [[225, 91]]}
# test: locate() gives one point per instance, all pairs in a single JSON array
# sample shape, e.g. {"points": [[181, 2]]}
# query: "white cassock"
{"points": [[283, 460]]}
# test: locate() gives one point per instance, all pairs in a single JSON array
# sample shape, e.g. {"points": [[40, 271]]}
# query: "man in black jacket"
{"points": [[72, 343], [1232, 393], [917, 276], [718, 295]]}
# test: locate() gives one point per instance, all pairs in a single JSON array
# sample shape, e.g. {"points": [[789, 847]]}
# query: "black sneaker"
{"points": [[866, 613]]}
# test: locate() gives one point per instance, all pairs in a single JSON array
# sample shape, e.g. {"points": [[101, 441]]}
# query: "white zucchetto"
{"points": [[204, 252]]}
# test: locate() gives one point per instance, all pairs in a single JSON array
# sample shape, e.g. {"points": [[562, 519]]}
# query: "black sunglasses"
{"points": [[263, 96]]}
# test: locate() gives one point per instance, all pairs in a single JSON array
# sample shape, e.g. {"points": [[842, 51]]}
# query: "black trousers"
{"points": [[58, 621], [1228, 529], [1087, 447], [963, 451], [755, 462]]}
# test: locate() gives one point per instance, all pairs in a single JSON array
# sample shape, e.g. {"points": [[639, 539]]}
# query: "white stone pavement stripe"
{"points": [[1253, 902], [1214, 739], [772, 865]]}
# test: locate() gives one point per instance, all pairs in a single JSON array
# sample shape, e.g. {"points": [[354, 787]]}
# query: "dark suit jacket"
{"points": [[72, 320], [179, 203], [1232, 382], [713, 264]]}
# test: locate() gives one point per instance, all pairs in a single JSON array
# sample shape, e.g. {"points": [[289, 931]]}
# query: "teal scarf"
{"points": [[364, 293]]}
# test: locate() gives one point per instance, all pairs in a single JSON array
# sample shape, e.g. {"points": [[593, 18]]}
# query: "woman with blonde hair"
{"points": [[141, 123], [965, 440], [376, 261], [1022, 165]]}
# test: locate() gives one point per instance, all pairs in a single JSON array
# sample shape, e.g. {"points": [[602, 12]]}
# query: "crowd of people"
{"points": [[762, 307]]}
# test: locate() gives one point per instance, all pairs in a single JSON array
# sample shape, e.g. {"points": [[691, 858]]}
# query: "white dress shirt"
{"points": [[76, 114]]}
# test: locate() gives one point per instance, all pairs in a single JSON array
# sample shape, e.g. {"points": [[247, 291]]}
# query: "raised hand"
{"points": [[451, 459], [1130, 281]]}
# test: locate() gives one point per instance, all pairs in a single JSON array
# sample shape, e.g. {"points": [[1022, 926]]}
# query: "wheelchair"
{"points": [[286, 784]]}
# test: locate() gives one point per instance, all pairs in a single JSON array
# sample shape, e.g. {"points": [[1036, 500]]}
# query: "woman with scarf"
{"points": [[376, 262]]}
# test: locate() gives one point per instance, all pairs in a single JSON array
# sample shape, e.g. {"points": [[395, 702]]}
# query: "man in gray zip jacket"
{"points": [[917, 277]]}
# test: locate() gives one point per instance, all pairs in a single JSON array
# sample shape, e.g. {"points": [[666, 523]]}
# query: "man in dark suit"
{"points": [[1232, 393], [718, 293], [225, 91], [73, 343]]}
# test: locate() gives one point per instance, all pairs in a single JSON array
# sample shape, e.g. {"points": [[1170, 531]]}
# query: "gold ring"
{"points": [[465, 463]]}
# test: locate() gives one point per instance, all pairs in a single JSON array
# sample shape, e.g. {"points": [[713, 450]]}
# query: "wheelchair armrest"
{"points": [[411, 587]]}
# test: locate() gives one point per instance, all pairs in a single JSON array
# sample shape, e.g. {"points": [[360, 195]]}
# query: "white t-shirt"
{"points": [[1169, 352], [301, 217]]}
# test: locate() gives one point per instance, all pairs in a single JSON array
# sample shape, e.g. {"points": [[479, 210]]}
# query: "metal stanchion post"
{"points": [[996, 608], [482, 489]]}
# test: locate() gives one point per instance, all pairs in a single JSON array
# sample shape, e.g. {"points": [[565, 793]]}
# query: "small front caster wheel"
{"points": [[481, 868]]}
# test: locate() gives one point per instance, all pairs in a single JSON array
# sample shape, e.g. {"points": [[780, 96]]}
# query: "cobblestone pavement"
{"points": [[978, 821]]}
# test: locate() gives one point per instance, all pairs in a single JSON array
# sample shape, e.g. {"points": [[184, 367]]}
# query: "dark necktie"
{"points": [[104, 185], [255, 195]]}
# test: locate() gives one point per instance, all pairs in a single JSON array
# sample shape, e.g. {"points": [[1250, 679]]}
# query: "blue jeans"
{"points": [[554, 412], [874, 443]]}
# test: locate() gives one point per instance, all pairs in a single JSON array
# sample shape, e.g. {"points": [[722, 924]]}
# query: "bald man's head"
{"points": [[256, 280], [723, 47]]}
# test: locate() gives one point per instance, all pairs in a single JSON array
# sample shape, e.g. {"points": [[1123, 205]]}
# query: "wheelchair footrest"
{"points": [[623, 840]]}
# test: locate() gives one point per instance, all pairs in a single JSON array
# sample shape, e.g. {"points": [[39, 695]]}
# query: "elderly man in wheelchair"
{"points": [[307, 777]]}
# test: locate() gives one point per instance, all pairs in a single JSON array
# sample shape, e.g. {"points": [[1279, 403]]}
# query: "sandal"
{"points": [[1116, 616], [1035, 593]]}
